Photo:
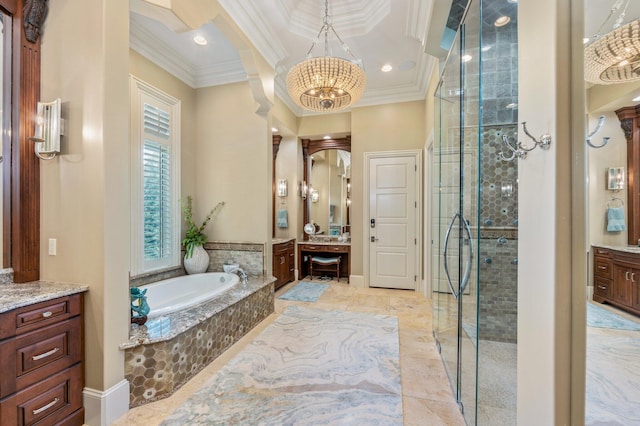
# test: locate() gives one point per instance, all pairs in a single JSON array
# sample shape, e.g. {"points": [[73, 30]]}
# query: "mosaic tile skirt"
{"points": [[310, 367]]}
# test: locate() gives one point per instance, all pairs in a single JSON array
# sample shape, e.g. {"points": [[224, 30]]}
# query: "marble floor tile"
{"points": [[426, 393], [421, 412]]}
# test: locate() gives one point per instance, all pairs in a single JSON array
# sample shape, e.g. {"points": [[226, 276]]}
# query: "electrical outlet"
{"points": [[53, 243]]}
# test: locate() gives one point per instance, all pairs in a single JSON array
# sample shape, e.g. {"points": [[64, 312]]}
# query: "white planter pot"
{"points": [[198, 262]]}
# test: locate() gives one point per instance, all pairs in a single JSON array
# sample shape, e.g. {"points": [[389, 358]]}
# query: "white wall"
{"points": [[545, 215], [85, 191], [233, 164], [614, 154]]}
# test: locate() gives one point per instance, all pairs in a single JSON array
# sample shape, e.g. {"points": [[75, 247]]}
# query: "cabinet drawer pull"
{"points": [[626, 276], [281, 260], [46, 354], [46, 407], [633, 274], [601, 287], [47, 314], [602, 267]]}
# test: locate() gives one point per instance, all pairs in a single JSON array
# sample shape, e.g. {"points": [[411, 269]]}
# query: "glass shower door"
{"points": [[457, 156]]}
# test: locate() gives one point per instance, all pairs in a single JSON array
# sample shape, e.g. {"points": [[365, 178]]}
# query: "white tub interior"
{"points": [[179, 293]]}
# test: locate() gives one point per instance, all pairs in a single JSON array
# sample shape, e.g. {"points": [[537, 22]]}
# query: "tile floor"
{"points": [[426, 394]]}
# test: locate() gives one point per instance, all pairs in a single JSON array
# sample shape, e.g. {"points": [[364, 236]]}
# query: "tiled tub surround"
{"points": [[13, 296], [166, 352], [250, 257]]}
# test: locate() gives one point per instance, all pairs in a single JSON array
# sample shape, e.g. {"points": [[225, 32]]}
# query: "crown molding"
{"points": [[172, 61], [161, 54], [418, 17], [250, 21], [349, 20], [217, 74]]}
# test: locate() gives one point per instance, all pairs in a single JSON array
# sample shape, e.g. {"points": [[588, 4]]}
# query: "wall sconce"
{"points": [[49, 127], [303, 190], [615, 178], [282, 188], [314, 195]]}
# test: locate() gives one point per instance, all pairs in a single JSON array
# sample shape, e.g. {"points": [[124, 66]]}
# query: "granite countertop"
{"points": [[627, 249], [14, 296], [166, 327], [282, 240]]}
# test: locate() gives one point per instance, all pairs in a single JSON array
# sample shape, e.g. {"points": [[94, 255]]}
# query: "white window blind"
{"points": [[155, 172], [156, 200]]}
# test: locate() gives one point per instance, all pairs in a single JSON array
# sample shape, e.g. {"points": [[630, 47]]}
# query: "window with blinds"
{"points": [[155, 160]]}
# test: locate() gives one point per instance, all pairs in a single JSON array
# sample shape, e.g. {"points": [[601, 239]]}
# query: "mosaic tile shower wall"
{"points": [[157, 370]]}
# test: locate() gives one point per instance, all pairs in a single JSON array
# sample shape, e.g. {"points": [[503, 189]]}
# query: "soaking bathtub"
{"points": [[180, 293]]}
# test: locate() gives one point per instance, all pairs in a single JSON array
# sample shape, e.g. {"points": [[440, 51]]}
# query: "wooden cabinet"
{"points": [[284, 263], [307, 249], [41, 357], [616, 275]]}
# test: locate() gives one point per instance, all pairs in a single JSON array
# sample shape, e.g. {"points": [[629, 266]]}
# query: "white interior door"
{"points": [[393, 232]]}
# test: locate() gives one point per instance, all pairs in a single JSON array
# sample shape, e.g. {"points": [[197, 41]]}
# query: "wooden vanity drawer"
{"points": [[602, 267], [602, 289], [28, 318], [46, 403], [599, 251], [34, 356]]}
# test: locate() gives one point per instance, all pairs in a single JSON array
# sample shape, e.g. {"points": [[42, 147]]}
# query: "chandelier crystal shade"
{"points": [[326, 83], [615, 56]]}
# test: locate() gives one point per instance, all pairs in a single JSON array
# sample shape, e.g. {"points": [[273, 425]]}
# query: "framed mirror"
{"points": [[327, 173]]}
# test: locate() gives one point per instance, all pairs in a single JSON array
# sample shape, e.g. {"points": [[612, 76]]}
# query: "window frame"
{"points": [[141, 93]]}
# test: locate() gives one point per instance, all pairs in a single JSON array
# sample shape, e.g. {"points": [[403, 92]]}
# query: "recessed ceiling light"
{"points": [[386, 68], [274, 129], [327, 137], [502, 21], [200, 40], [466, 58], [636, 99]]}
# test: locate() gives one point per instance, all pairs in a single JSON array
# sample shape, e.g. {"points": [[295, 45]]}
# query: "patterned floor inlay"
{"points": [[334, 367]]}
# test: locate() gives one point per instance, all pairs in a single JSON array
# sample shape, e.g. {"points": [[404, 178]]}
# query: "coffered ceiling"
{"points": [[378, 32]]}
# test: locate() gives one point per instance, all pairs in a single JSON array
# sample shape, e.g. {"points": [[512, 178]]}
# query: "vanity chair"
{"points": [[324, 264]]}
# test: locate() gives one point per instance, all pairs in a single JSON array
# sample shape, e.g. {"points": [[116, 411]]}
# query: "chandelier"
{"points": [[615, 56], [326, 83]]}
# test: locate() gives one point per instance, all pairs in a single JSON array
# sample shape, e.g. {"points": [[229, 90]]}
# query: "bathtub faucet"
{"points": [[241, 273]]}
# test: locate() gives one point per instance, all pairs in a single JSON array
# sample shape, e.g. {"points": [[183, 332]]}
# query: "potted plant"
{"points": [[196, 258]]}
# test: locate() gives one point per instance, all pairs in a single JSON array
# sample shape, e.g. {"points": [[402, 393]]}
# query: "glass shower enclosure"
{"points": [[475, 217]]}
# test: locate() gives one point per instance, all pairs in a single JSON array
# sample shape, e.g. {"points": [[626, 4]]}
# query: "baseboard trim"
{"points": [[357, 281], [103, 407]]}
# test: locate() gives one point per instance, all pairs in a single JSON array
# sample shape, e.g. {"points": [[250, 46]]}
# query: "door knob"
{"points": [[374, 239]]}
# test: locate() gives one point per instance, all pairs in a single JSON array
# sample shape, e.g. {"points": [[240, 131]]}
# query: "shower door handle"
{"points": [[446, 246], [469, 262]]}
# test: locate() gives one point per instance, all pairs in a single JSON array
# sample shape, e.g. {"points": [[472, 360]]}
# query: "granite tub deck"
{"points": [[167, 351]]}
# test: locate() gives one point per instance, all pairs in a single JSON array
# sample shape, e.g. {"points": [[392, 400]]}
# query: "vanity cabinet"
{"points": [[308, 249], [617, 278], [284, 263], [41, 357]]}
